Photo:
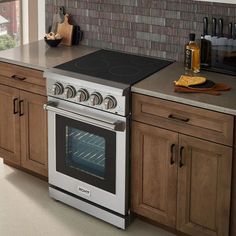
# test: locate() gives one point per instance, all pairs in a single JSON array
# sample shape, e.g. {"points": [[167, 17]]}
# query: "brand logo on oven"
{"points": [[84, 191]]}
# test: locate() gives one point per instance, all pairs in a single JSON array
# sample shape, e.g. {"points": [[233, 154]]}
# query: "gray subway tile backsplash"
{"points": [[148, 27]]}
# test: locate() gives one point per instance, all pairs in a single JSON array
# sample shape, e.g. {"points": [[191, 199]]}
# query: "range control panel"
{"points": [[92, 96]]}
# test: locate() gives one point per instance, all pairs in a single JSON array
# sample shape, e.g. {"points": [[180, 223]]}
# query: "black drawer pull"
{"points": [[172, 147], [18, 77], [181, 163], [183, 119], [15, 106], [21, 112]]}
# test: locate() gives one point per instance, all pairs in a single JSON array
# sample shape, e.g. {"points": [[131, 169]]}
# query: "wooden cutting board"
{"points": [[215, 90], [65, 30]]}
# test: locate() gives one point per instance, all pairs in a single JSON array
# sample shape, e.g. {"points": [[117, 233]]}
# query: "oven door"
{"points": [[88, 154]]}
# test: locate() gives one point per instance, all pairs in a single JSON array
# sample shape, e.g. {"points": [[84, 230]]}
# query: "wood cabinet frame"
{"points": [[33, 125], [204, 183], [161, 180], [9, 125], [24, 121], [205, 162]]}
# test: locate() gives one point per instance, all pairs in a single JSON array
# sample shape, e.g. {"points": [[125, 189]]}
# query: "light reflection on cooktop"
{"points": [[115, 66]]}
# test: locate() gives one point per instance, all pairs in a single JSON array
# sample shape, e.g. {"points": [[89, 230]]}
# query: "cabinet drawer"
{"points": [[20, 74], [205, 124]]}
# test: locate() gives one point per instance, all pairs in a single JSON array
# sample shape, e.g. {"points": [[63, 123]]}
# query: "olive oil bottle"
{"points": [[192, 55]]}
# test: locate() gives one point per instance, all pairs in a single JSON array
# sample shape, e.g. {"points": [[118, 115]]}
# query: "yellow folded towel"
{"points": [[186, 80]]}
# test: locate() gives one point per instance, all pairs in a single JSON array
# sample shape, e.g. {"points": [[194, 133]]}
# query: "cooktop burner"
{"points": [[115, 66]]}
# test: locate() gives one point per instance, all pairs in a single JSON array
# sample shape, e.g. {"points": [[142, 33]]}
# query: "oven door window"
{"points": [[86, 152]]}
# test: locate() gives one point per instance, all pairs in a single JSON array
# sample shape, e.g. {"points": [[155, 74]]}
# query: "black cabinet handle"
{"points": [[18, 77], [172, 147], [15, 106], [21, 112], [175, 117], [181, 157]]}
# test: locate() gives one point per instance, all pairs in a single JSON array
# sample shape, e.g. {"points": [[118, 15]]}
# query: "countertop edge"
{"points": [[18, 63], [184, 101]]}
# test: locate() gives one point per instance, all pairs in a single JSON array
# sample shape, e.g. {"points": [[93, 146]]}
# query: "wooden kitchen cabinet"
{"points": [[23, 121], [33, 125], [204, 183], [154, 174], [193, 175], [9, 125]]}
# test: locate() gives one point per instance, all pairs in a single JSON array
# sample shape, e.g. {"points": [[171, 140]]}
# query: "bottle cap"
{"points": [[192, 37]]}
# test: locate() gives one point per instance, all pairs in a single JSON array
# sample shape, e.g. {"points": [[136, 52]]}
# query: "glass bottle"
{"points": [[192, 55]]}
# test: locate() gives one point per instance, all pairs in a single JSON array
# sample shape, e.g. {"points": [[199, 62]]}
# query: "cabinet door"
{"points": [[154, 173], [33, 123], [9, 125], [204, 183]]}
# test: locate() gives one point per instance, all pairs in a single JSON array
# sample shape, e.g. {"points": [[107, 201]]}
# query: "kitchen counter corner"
{"points": [[38, 55], [160, 85]]}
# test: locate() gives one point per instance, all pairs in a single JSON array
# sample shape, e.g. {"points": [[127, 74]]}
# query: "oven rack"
{"points": [[88, 159], [86, 153], [87, 138]]}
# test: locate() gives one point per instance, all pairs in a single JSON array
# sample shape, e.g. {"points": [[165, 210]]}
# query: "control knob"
{"points": [[57, 89], [82, 95], [110, 102], [70, 92], [96, 99]]}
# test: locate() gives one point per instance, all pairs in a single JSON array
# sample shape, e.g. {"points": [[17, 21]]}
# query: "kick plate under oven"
{"points": [[88, 154]]}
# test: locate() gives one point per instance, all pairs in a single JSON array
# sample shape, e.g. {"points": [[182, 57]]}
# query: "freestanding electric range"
{"points": [[88, 131]]}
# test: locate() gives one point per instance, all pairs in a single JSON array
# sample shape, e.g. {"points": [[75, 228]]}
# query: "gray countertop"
{"points": [[161, 85], [40, 56]]}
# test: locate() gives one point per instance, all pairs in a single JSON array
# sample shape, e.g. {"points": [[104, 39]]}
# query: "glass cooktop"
{"points": [[115, 66]]}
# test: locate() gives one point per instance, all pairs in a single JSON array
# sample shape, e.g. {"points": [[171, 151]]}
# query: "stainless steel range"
{"points": [[88, 131]]}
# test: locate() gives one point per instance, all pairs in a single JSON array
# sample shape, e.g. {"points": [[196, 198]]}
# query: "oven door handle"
{"points": [[114, 126]]}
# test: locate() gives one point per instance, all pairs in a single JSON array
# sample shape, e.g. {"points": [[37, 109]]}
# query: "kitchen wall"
{"points": [[149, 27]]}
